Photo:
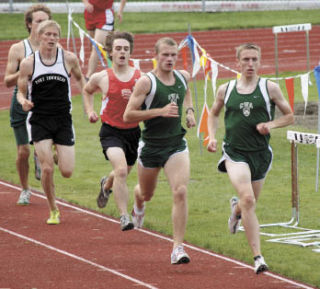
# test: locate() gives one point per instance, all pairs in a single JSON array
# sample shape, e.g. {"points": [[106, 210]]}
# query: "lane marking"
{"points": [[78, 258], [39, 195]]}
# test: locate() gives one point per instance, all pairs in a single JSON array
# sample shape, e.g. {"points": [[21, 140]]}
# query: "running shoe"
{"points": [[103, 196], [179, 256], [234, 220], [37, 168], [54, 218], [24, 198], [137, 218], [126, 223], [260, 265]]}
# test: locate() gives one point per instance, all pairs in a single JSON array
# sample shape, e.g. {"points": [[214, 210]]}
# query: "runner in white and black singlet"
{"points": [[47, 75], [33, 16]]}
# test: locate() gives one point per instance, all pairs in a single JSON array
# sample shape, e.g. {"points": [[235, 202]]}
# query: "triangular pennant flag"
{"points": [[135, 63], [304, 89], [316, 72], [290, 91], [203, 125], [194, 54], [81, 53], [98, 51], [184, 57], [203, 59], [214, 75], [207, 67], [154, 62], [69, 28]]}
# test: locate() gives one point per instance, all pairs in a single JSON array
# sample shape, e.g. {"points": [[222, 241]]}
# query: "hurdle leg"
{"points": [[294, 183]]}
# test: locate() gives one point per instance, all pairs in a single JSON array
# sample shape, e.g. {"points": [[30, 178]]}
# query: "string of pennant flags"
{"points": [[201, 60]]}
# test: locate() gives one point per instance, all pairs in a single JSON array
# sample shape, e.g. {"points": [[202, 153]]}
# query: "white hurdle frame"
{"points": [[295, 138], [306, 27]]}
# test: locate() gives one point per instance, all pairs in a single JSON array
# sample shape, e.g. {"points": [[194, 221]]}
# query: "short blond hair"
{"points": [[48, 23], [164, 40], [247, 46]]}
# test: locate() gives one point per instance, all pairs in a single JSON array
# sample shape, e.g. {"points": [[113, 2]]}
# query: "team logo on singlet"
{"points": [[173, 97], [246, 107]]}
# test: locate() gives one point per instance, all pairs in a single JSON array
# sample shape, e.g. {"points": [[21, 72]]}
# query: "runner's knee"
{"points": [[248, 202], [180, 193]]}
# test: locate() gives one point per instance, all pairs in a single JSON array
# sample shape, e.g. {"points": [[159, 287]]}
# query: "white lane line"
{"points": [[299, 285], [78, 258]]}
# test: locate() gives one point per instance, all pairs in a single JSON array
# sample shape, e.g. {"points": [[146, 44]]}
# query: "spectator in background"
{"points": [[18, 51], [99, 21]]}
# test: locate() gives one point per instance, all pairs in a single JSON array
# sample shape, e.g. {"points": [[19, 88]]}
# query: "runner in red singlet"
{"points": [[119, 140]]}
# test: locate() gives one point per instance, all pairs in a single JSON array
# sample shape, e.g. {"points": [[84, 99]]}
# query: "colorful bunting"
{"points": [[194, 55], [214, 76], [203, 125], [81, 53], [154, 62], [290, 91], [316, 72], [98, 51], [304, 89], [210, 68], [184, 57]]}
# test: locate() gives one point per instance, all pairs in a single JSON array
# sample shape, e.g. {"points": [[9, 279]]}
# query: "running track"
{"points": [[220, 44], [88, 250]]}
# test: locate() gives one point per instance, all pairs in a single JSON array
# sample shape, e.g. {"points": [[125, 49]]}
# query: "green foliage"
{"points": [[175, 21]]}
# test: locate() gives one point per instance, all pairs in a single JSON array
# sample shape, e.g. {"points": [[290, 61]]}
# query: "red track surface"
{"points": [[220, 44], [88, 250]]}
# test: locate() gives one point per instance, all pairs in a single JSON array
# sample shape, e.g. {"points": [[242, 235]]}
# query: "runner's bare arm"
{"points": [[133, 112], [72, 64], [15, 55], [98, 81], [26, 70], [287, 117]]}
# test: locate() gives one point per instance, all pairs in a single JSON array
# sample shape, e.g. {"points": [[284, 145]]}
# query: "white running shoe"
{"points": [[125, 223], [234, 220], [24, 198], [137, 218], [260, 265], [179, 256]]}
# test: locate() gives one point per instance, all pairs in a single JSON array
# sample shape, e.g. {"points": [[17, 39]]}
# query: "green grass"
{"points": [[175, 22], [209, 191], [209, 194]]}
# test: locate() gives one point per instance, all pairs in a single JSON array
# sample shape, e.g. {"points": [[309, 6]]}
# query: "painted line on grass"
{"points": [[280, 278], [78, 258]]}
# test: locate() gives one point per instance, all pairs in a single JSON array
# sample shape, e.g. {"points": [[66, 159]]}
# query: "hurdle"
{"points": [[295, 139], [290, 28]]}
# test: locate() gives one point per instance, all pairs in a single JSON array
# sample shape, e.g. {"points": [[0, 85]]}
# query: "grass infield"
{"points": [[209, 191]]}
